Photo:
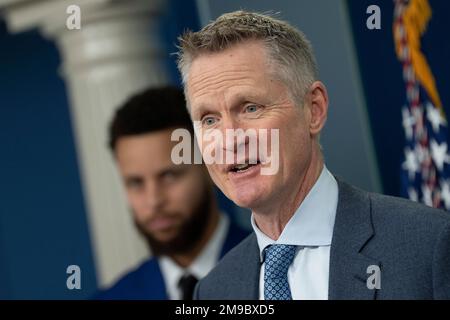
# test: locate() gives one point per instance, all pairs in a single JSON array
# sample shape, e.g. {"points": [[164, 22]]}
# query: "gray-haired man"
{"points": [[315, 237]]}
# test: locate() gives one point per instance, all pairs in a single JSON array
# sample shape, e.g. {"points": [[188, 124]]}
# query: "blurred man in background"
{"points": [[173, 206]]}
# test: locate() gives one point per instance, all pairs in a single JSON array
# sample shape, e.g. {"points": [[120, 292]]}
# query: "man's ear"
{"points": [[318, 104]]}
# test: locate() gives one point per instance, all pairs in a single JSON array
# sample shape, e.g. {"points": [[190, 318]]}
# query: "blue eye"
{"points": [[251, 108], [209, 121]]}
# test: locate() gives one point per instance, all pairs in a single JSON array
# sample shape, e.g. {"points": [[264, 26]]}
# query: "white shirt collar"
{"points": [[200, 267], [312, 223]]}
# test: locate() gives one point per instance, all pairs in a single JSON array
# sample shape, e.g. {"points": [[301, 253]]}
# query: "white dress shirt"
{"points": [[200, 267], [311, 226]]}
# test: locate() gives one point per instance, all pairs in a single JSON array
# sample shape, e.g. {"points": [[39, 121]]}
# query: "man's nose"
{"points": [[229, 130], [154, 197]]}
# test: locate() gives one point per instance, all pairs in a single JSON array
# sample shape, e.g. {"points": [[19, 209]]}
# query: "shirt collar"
{"points": [[313, 221], [204, 262]]}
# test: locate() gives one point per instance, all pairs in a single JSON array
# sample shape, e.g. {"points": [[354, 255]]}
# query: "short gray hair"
{"points": [[286, 46]]}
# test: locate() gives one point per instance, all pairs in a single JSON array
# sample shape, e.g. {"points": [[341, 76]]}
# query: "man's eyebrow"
{"points": [[176, 168], [133, 178], [236, 101], [200, 110]]}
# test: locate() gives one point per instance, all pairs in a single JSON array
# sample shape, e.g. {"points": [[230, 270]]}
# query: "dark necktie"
{"points": [[187, 284]]}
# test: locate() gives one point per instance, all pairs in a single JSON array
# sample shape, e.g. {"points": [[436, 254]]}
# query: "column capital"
{"points": [[50, 15], [112, 31]]}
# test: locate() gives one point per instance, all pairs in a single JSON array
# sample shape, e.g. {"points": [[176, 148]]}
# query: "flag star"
{"points": [[426, 192], [439, 153], [412, 193], [435, 117], [410, 164], [445, 193], [408, 122]]}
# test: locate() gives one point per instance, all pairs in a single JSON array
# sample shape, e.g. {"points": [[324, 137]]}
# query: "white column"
{"points": [[116, 53]]}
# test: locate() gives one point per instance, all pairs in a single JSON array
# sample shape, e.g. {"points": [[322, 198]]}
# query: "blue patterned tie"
{"points": [[278, 258]]}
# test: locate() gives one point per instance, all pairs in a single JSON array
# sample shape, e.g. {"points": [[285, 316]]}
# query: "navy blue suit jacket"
{"points": [[409, 242], [147, 283]]}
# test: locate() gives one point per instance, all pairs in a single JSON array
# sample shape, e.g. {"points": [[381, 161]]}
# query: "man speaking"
{"points": [[315, 236]]}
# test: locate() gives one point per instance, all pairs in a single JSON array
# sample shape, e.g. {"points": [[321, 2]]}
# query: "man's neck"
{"points": [[185, 259], [272, 219]]}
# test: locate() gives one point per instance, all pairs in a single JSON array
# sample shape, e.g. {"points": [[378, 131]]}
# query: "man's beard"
{"points": [[190, 232]]}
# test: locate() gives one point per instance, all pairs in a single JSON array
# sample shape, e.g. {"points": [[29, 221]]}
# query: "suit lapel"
{"points": [[154, 282], [246, 284], [235, 235], [352, 230]]}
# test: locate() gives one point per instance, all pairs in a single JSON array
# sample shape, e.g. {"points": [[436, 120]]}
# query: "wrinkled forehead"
{"points": [[239, 72], [250, 55]]}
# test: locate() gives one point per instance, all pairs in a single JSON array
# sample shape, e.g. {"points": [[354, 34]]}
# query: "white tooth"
{"points": [[241, 166]]}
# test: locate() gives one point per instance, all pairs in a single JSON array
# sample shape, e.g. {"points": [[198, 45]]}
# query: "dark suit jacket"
{"points": [[408, 241], [147, 282]]}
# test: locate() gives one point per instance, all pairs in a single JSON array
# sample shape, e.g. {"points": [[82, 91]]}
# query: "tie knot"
{"points": [[278, 258]]}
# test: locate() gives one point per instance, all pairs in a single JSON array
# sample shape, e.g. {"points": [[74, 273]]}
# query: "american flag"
{"points": [[425, 172]]}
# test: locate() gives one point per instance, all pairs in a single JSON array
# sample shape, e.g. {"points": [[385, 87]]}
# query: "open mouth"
{"points": [[243, 167]]}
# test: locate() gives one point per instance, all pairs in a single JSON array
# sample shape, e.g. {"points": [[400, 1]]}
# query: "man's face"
{"points": [[170, 202], [233, 89]]}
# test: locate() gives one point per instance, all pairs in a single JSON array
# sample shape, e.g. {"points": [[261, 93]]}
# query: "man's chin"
{"points": [[168, 243], [165, 246], [246, 202], [163, 239], [247, 198]]}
